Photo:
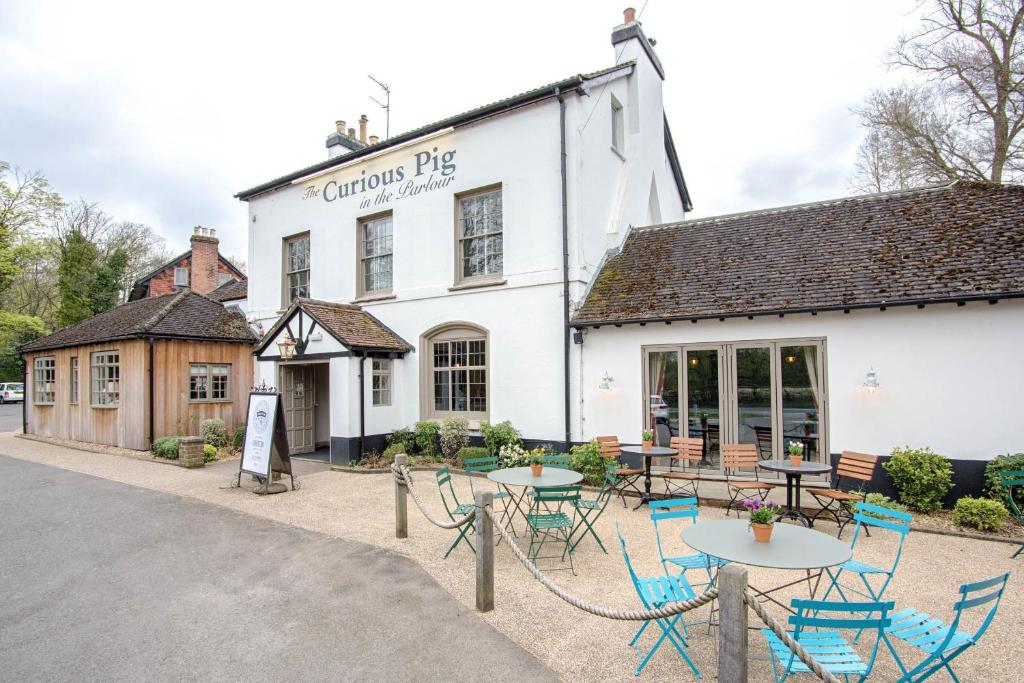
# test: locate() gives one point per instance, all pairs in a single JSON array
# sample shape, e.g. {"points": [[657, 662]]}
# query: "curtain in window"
{"points": [[811, 359]]}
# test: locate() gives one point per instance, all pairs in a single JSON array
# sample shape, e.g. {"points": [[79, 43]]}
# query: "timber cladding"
{"points": [[127, 424]]}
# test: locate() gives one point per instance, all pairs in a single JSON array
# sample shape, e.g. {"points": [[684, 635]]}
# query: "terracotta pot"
{"points": [[795, 460], [536, 468], [762, 532], [647, 445]]}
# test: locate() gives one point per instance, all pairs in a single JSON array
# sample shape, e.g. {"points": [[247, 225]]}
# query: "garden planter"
{"points": [[762, 532], [647, 445], [536, 469], [795, 460]]}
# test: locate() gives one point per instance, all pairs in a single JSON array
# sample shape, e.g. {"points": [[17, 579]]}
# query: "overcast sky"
{"points": [[161, 116]]}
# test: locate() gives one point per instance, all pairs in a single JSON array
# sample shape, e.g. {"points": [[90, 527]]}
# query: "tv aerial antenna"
{"points": [[385, 105]]}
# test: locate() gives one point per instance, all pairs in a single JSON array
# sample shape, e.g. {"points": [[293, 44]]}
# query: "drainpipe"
{"points": [[24, 395], [565, 267], [149, 349], [362, 403]]}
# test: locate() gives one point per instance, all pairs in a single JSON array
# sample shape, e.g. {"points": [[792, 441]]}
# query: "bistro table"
{"points": [[791, 547], [793, 475], [522, 477], [652, 452]]}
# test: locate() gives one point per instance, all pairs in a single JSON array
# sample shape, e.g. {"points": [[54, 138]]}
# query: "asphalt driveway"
{"points": [[10, 417], [105, 581]]}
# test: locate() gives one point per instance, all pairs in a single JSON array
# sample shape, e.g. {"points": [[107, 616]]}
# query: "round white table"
{"points": [[791, 547], [522, 477]]}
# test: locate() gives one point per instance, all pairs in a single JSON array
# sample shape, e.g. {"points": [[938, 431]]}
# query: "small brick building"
{"points": [[202, 269]]}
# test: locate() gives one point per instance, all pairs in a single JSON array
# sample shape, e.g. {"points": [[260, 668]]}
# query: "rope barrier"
{"points": [[404, 477], [794, 646]]}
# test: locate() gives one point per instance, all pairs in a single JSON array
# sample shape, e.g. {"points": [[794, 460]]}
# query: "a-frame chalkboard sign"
{"points": [[265, 449]]}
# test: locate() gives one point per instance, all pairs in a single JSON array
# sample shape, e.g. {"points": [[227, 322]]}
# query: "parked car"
{"points": [[658, 407], [12, 392]]}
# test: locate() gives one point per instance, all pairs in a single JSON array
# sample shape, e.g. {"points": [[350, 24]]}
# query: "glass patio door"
{"points": [[703, 391], [802, 396], [752, 389]]}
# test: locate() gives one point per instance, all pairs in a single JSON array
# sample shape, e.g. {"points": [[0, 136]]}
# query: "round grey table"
{"points": [[522, 477], [791, 547], [793, 475], [652, 452]]}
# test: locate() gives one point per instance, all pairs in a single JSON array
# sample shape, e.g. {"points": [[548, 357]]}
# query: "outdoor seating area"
{"points": [[854, 605]]}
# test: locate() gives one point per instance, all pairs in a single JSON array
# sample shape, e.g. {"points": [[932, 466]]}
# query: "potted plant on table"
{"points": [[796, 453], [762, 518], [536, 461], [648, 439]]}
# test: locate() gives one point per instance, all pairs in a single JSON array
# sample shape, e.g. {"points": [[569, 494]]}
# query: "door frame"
{"points": [[280, 377]]}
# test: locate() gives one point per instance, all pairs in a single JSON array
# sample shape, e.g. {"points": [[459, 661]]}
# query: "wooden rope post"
{"points": [[484, 552], [401, 503], [732, 624]]}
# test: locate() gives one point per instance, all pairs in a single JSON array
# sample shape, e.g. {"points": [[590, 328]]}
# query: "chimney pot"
{"points": [[352, 133], [340, 126], [628, 15], [362, 128], [374, 139]]}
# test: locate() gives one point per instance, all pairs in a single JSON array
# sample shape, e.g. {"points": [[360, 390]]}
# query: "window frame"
{"points": [[51, 370], [73, 388], [385, 371], [210, 382], [453, 332], [181, 269], [618, 127], [486, 278], [361, 258], [94, 367], [286, 287]]}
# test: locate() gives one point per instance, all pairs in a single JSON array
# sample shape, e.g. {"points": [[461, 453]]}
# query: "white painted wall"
{"points": [[950, 377]]}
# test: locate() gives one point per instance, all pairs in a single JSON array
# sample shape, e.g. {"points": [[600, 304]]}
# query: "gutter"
{"points": [[565, 268]]}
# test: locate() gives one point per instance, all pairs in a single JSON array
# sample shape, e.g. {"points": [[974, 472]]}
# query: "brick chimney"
{"points": [[362, 128], [205, 260]]}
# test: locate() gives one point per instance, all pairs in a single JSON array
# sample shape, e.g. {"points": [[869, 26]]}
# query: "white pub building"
{"points": [[495, 265]]}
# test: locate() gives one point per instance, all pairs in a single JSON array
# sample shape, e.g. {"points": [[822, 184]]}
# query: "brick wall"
{"points": [[163, 282]]}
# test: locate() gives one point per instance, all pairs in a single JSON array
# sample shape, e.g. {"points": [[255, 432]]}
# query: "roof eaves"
{"points": [[677, 169]]}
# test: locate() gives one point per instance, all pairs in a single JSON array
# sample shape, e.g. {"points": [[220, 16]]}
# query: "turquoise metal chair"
{"points": [[830, 647], [547, 521], [654, 592], [882, 518], [944, 643], [682, 509], [1013, 483], [455, 509], [589, 511]]}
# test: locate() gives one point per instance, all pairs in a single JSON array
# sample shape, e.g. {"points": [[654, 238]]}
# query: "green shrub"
{"points": [[993, 485], [454, 436], [983, 514], [213, 432], [512, 455], [166, 447], [394, 449], [922, 478], [587, 460], [404, 438], [426, 438], [501, 434], [470, 452], [209, 452], [879, 500], [238, 439]]}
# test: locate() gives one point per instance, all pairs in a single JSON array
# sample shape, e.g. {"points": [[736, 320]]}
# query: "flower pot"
{"points": [[762, 532], [536, 468], [647, 445], [795, 460]]}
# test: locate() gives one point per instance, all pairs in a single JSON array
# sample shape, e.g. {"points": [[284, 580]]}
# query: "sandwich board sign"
{"points": [[265, 449]]}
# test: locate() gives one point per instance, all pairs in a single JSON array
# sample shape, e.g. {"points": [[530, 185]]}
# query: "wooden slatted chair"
{"points": [[855, 469], [627, 476], [737, 457], [690, 454]]}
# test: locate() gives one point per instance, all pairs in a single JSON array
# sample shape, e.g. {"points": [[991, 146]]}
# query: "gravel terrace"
{"points": [[575, 644]]}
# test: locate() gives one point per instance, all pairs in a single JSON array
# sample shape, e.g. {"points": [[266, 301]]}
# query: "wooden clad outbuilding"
{"points": [[149, 368]]}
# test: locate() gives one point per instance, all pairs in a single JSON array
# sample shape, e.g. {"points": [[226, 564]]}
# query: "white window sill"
{"points": [[370, 298], [112, 406], [476, 284]]}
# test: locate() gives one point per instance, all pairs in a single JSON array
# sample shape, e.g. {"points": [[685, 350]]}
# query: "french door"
{"points": [[766, 393]]}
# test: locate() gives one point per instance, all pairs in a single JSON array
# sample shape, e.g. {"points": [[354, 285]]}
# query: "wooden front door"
{"points": [[298, 393]]}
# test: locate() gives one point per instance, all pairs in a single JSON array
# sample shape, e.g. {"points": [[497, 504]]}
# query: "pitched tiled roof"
{"points": [[184, 315], [140, 286], [352, 326], [230, 290], [957, 242]]}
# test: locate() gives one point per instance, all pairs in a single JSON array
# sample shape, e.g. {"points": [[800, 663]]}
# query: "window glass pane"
{"points": [[44, 380], [441, 390], [74, 379], [460, 391], [481, 228], [459, 357], [105, 374], [754, 399], [663, 401], [477, 355], [441, 355], [702, 399], [801, 398], [478, 390]]}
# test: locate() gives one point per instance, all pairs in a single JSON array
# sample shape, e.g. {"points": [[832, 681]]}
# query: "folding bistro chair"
{"points": [[484, 465], [455, 509], [690, 454], [627, 476], [883, 518], [556, 460], [940, 642], [829, 647], [589, 511], [763, 436], [682, 509], [1013, 483], [855, 468], [654, 592], [737, 457], [548, 522]]}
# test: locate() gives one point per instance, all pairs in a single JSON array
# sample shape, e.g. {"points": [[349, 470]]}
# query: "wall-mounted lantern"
{"points": [[606, 382], [871, 381]]}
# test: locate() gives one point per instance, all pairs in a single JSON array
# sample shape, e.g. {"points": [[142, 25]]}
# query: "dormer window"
{"points": [[181, 277]]}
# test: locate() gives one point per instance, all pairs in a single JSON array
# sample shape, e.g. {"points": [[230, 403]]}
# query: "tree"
{"points": [[26, 205], [76, 278], [962, 115], [16, 329], [108, 283]]}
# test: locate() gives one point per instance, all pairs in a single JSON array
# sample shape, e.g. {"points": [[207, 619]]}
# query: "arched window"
{"points": [[455, 372]]}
